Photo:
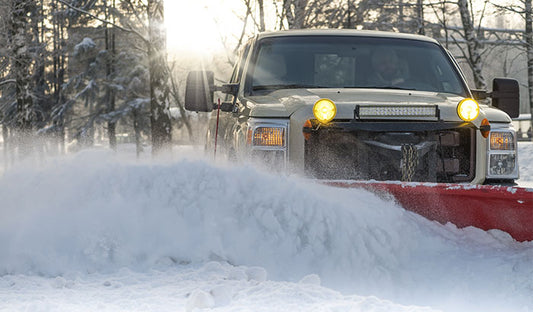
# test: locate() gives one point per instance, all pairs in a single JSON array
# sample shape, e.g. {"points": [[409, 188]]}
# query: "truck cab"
{"points": [[360, 105]]}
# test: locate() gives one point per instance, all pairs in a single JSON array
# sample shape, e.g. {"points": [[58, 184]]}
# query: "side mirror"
{"points": [[506, 96], [199, 91]]}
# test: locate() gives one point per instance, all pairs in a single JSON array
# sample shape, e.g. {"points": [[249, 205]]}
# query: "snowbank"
{"points": [[92, 219]]}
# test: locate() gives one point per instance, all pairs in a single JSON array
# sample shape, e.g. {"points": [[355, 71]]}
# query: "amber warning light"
{"points": [[267, 136], [501, 141]]}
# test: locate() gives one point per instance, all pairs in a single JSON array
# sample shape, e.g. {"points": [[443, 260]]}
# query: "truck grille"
{"points": [[445, 155]]}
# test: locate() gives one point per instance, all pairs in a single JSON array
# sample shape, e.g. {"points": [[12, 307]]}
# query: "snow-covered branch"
{"points": [[8, 81], [129, 30]]}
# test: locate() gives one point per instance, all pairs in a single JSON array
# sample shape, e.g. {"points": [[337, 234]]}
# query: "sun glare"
{"points": [[198, 26]]}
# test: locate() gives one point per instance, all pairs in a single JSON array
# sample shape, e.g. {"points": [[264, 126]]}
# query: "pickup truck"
{"points": [[360, 105]]}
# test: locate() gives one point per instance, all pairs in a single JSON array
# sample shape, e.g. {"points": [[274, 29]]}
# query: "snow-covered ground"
{"points": [[92, 232]]}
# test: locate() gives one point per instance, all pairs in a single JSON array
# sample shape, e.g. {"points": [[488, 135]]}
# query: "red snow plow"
{"points": [[347, 105], [506, 208]]}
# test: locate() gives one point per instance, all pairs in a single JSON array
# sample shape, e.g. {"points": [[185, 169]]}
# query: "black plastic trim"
{"points": [[388, 126]]}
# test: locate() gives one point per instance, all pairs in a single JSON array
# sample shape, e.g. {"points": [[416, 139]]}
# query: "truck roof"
{"points": [[344, 32]]}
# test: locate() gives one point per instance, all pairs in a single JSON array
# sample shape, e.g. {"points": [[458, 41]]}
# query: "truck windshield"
{"points": [[353, 62]]}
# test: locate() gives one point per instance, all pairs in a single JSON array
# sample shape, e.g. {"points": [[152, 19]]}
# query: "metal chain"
{"points": [[409, 162]]}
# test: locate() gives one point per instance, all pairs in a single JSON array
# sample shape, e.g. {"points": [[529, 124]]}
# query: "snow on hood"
{"points": [[95, 213]]}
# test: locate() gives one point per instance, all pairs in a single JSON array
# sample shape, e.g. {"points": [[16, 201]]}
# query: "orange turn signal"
{"points": [[485, 128], [307, 126]]}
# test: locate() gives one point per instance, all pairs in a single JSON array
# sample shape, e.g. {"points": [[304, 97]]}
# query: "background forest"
{"points": [[79, 73]]}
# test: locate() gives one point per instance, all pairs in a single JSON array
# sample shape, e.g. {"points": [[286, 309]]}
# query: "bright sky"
{"points": [[199, 26]]}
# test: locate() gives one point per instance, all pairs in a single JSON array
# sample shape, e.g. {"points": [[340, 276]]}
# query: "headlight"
{"points": [[324, 110], [502, 164], [502, 160], [468, 109]]}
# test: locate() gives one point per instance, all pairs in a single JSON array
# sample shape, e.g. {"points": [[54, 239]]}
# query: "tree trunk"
{"points": [[472, 43], [261, 15], [39, 75], [347, 23], [62, 61], [420, 16], [58, 67], [110, 48], [401, 21], [445, 24], [6, 145], [159, 90], [137, 130], [21, 64], [529, 48]]}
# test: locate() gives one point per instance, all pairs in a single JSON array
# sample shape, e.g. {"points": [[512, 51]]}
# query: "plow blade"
{"points": [[506, 208]]}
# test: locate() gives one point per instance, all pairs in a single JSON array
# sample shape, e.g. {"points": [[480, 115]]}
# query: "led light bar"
{"points": [[394, 111]]}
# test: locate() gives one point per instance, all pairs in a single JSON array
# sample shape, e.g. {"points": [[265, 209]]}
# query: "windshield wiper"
{"points": [[284, 86], [390, 87]]}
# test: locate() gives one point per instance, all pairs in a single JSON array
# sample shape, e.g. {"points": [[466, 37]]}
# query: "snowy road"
{"points": [[94, 233]]}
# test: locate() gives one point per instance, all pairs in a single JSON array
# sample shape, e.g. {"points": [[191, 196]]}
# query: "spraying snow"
{"points": [[525, 161], [94, 232]]}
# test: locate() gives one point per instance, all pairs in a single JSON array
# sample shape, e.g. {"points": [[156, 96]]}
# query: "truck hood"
{"points": [[283, 103]]}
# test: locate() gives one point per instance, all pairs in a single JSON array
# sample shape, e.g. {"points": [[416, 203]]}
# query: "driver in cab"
{"points": [[388, 70]]}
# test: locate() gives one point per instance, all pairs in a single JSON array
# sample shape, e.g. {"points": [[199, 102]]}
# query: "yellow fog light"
{"points": [[468, 109], [324, 110]]}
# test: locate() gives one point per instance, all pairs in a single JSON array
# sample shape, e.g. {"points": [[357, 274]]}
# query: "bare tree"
{"points": [[524, 8], [472, 42], [295, 11]]}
